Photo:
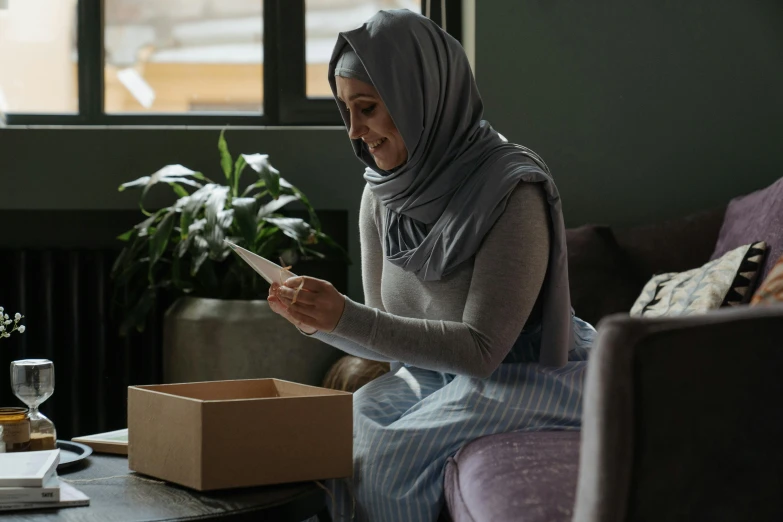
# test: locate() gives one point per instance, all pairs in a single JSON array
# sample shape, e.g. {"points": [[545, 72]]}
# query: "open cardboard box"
{"points": [[227, 434]]}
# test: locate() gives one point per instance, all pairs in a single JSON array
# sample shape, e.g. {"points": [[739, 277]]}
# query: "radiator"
{"points": [[65, 296]]}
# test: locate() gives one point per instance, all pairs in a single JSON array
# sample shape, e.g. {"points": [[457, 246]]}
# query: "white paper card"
{"points": [[270, 271]]}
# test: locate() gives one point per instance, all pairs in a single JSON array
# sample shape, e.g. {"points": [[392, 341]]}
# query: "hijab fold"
{"points": [[459, 172]]}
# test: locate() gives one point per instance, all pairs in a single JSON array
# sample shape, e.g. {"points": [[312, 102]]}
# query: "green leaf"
{"points": [[315, 253], [142, 181], [196, 229], [144, 226], [275, 205], [200, 250], [125, 256], [168, 174], [246, 220], [250, 188], [264, 231], [179, 191], [239, 166], [225, 156], [294, 228], [314, 221], [193, 206], [215, 227], [125, 236], [268, 174], [160, 238], [216, 201]]}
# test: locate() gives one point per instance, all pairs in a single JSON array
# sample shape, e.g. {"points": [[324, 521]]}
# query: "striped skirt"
{"points": [[409, 421]]}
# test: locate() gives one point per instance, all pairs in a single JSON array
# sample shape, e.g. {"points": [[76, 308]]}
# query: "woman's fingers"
{"points": [[302, 315], [308, 283], [276, 306], [310, 302], [301, 296]]}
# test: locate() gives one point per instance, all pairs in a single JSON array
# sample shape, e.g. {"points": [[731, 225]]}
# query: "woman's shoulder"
{"points": [[370, 206], [369, 201], [528, 197]]}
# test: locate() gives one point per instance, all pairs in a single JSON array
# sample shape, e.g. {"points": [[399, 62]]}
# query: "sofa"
{"points": [[682, 416]]}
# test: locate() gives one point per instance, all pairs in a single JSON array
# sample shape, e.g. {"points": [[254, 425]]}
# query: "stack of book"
{"points": [[28, 480]]}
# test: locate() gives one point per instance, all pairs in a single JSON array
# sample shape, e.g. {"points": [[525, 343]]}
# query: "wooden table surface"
{"points": [[120, 495]]}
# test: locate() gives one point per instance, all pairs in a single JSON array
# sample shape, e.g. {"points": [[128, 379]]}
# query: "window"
{"points": [[179, 62], [179, 56], [39, 57]]}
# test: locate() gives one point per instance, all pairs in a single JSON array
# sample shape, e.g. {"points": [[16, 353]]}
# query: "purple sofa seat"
{"points": [[523, 476]]}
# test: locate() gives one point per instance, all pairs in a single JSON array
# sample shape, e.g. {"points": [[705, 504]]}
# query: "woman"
{"points": [[464, 273]]}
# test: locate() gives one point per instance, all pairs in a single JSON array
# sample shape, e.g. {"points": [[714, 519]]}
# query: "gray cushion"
{"points": [[523, 476], [755, 217]]}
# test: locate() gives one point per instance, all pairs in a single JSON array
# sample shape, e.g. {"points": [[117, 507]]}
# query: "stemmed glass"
{"points": [[32, 381]]}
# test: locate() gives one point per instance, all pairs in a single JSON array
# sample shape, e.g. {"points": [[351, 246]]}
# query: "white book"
{"points": [[50, 492], [272, 272], [109, 442], [69, 497], [28, 468]]}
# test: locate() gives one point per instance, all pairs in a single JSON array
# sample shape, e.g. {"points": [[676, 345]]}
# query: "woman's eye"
{"points": [[369, 109]]}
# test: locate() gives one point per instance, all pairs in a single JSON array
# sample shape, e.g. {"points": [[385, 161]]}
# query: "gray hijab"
{"points": [[460, 172]]}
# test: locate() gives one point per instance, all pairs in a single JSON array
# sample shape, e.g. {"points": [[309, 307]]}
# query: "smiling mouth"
{"points": [[375, 144]]}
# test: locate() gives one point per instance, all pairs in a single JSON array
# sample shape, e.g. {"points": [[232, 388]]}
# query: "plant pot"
{"points": [[219, 339]]}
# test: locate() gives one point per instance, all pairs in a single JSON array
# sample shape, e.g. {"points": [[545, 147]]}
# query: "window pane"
{"points": [[38, 64], [178, 56], [324, 19]]}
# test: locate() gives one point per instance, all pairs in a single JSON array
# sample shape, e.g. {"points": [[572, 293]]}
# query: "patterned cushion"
{"points": [[726, 281], [771, 289]]}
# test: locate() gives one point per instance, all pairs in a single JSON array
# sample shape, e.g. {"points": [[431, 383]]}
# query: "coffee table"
{"points": [[120, 495]]}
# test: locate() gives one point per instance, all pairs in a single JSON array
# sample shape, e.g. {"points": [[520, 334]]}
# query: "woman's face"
{"points": [[371, 122]]}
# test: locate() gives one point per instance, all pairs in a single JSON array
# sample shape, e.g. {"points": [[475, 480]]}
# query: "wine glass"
{"points": [[32, 381]]}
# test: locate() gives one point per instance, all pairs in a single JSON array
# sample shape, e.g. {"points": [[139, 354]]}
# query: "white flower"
{"points": [[21, 329], [2, 328], [6, 334], [6, 316], [2, 309], [17, 317], [8, 322]]}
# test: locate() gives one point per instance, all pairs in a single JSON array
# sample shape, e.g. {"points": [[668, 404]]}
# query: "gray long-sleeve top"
{"points": [[465, 323]]}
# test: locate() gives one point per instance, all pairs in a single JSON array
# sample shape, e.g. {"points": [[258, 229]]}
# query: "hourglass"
{"points": [[32, 381]]}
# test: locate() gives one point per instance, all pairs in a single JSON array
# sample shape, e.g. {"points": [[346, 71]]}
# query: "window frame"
{"points": [[285, 100]]}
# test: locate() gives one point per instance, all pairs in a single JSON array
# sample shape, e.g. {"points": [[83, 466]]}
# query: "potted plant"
{"points": [[220, 325]]}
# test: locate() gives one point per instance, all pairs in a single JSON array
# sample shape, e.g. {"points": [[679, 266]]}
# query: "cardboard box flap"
{"points": [[219, 390], [292, 389]]}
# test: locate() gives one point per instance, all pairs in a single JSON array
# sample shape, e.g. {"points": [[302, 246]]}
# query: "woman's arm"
{"points": [[508, 273], [372, 267]]}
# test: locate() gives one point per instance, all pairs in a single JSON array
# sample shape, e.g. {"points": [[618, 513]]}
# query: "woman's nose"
{"points": [[357, 129]]}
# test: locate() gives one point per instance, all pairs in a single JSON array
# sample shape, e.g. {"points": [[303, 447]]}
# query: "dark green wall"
{"points": [[642, 109]]}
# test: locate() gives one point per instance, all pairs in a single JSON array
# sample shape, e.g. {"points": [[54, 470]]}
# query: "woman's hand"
{"points": [[308, 303], [280, 308]]}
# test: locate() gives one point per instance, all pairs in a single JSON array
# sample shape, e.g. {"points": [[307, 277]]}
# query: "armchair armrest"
{"points": [[683, 419]]}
